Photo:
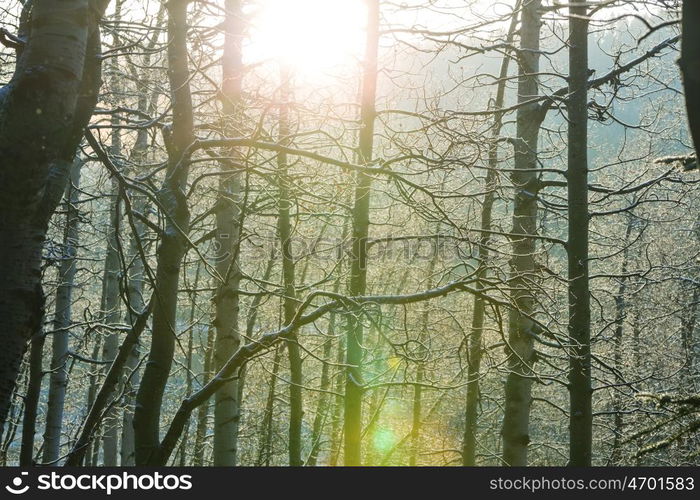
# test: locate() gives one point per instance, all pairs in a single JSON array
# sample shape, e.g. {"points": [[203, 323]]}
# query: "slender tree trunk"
{"points": [[420, 368], [172, 248], [688, 326], [324, 403], [110, 309], [135, 285], [284, 228], [416, 417], [266, 451], [62, 321], [184, 442], [336, 423], [31, 399], [228, 218], [203, 411], [520, 348], [322, 406], [360, 231], [131, 377], [637, 364], [252, 319], [479, 307], [92, 447], [188, 366], [580, 392], [135, 306], [620, 311], [11, 430], [250, 327], [113, 259]]}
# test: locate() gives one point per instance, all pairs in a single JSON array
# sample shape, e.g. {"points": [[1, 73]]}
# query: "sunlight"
{"points": [[310, 36]]}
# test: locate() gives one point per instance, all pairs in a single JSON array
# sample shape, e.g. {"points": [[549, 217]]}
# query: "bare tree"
{"points": [[58, 48]]}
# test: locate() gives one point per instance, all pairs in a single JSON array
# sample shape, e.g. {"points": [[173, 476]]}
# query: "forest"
{"points": [[349, 232]]}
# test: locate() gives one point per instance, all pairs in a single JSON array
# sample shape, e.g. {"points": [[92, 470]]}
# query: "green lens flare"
{"points": [[384, 440]]}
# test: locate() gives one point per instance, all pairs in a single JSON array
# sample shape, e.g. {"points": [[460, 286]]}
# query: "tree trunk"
{"points": [[31, 399], [336, 423], [620, 312], [580, 392], [228, 218], [172, 248], [110, 310], [266, 449], [131, 373], [11, 430], [188, 366], [284, 227], [520, 349], [62, 322], [135, 286], [421, 355], [49, 100], [690, 66], [416, 418], [203, 411], [688, 326], [324, 404], [91, 396], [360, 231], [135, 306], [479, 308], [113, 259]]}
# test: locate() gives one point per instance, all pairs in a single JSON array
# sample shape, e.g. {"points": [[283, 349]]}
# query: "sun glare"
{"points": [[310, 36]]}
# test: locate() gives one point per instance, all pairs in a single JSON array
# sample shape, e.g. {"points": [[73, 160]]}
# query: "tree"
{"points": [[284, 229], [360, 232], [172, 247], [59, 50], [258, 272], [521, 328], [229, 218], [479, 305], [580, 432], [62, 321]]}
